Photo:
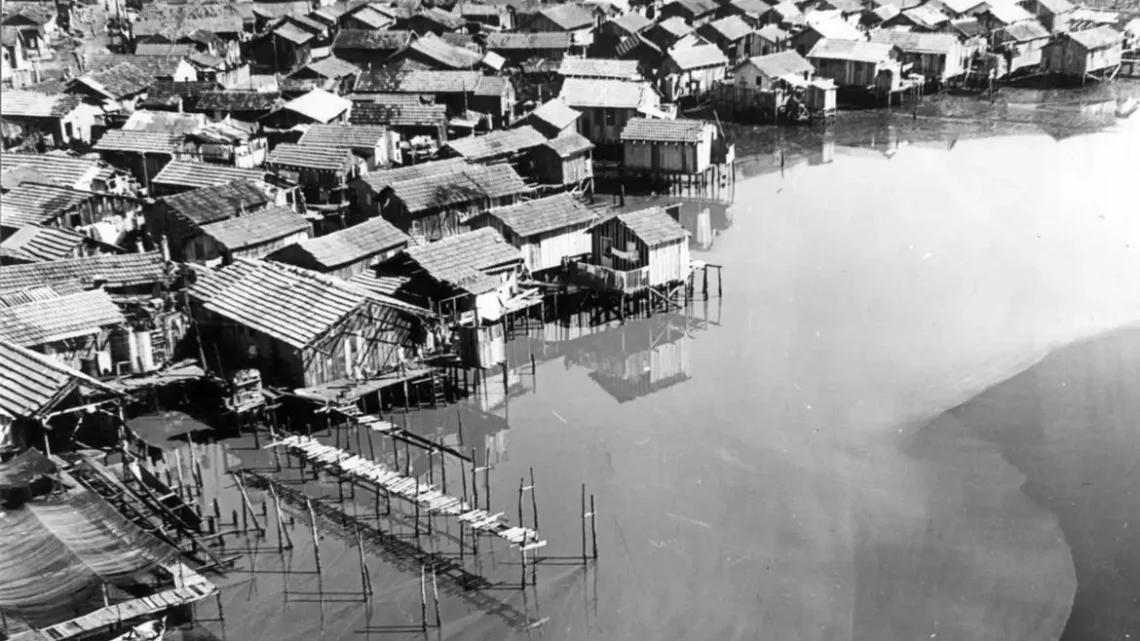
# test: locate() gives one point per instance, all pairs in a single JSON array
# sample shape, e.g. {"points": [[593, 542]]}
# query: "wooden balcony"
{"points": [[607, 279]]}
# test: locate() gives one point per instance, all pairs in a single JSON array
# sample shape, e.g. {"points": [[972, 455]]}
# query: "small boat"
{"points": [[1126, 107], [148, 631]]}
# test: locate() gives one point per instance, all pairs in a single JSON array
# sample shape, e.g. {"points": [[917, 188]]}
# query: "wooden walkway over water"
{"points": [[343, 463]]}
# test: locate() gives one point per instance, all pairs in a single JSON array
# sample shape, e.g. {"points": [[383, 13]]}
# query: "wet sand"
{"points": [[808, 477]]}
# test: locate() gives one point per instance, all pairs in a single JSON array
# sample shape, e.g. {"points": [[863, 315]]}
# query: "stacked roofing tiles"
{"points": [[542, 215], [115, 270], [48, 321], [186, 173], [257, 228], [33, 244]]}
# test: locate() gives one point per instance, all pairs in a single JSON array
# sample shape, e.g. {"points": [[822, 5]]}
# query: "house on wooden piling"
{"points": [[691, 71], [370, 185], [504, 145], [549, 231], [935, 56], [694, 12], [298, 327], [323, 173], [1083, 54], [74, 329], [736, 38], [607, 105], [823, 29], [653, 146], [994, 16], [765, 73], [856, 63], [612, 32], [634, 251], [251, 236], [636, 359], [1021, 45], [180, 217], [554, 119], [566, 161], [346, 252], [1054, 15]]}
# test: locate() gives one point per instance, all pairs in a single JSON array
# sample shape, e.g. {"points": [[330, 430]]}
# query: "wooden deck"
{"points": [[345, 390]]}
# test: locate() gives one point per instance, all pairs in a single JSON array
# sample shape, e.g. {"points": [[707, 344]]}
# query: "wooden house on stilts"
{"points": [[549, 231]]}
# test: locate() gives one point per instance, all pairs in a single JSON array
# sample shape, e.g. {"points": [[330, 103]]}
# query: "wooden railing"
{"points": [[607, 279]]}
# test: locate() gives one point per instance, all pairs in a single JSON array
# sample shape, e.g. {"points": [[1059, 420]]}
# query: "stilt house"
{"points": [[565, 161], [668, 146], [549, 231], [634, 251]]}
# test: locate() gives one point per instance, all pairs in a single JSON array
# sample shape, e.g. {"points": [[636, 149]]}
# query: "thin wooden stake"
{"points": [[584, 515], [474, 481], [594, 526], [181, 481], [365, 578], [533, 500], [487, 480], [435, 598], [423, 598], [248, 507], [316, 539], [282, 533]]}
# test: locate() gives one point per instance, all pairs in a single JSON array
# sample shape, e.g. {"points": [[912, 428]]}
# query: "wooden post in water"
{"points": [[365, 577], [584, 515], [474, 481], [181, 481], [506, 384], [533, 500], [248, 507], [487, 479], [423, 599], [594, 526], [442, 467], [435, 598], [316, 538], [283, 538]]}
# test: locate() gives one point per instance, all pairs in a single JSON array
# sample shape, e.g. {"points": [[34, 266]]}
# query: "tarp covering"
{"points": [[55, 555], [22, 469]]}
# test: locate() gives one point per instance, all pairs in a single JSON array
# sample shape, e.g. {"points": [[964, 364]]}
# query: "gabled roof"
{"points": [[33, 243], [257, 228], [968, 27], [379, 180], [116, 270], [188, 173], [293, 305], [696, 7], [599, 68], [497, 143], [56, 319], [730, 28], [371, 17], [926, 16], [369, 113], [1057, 7], [656, 130], [464, 259], [1098, 38], [775, 65], [858, 50], [911, 42], [632, 22], [569, 144], [209, 204], [333, 67], [834, 28], [653, 225], [139, 141], [445, 19], [557, 114], [542, 215], [1025, 31], [445, 53], [675, 27], [34, 204], [569, 17], [751, 7], [698, 57], [117, 82], [319, 105], [230, 100], [347, 137], [465, 184], [528, 41], [32, 104], [291, 155], [583, 92], [371, 40], [959, 7], [346, 246], [1008, 12], [31, 383]]}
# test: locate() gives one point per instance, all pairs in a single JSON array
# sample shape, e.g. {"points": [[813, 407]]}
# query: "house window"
{"points": [[609, 116], [68, 131], [75, 220]]}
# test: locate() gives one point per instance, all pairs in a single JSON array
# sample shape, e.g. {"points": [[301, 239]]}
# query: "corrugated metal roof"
{"points": [[139, 141], [56, 319], [553, 213], [675, 27], [599, 68], [1098, 38], [1008, 12], [293, 305], [353, 244], [464, 185], [775, 65], [257, 228], [526, 41], [569, 144], [633, 22], [64, 170], [497, 143], [33, 244], [210, 204], [116, 270], [851, 50], [333, 67], [656, 130], [912, 42], [653, 225], [698, 56], [305, 157], [34, 204], [367, 113], [30, 382], [557, 114], [347, 137], [32, 104], [187, 173], [463, 259], [619, 94], [445, 53], [293, 33], [319, 105], [379, 180], [926, 16]]}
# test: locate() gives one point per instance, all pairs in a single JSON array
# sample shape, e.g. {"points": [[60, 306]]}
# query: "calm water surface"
{"points": [[827, 457]]}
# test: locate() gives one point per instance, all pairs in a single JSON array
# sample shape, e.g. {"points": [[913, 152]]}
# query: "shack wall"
{"points": [[669, 263], [546, 251]]}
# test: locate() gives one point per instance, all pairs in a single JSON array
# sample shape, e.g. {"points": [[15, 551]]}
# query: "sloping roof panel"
{"points": [[599, 68], [371, 40], [1098, 38], [33, 243], [496, 143], [187, 173], [504, 41], [34, 204], [353, 244], [586, 92], [32, 104], [306, 157], [656, 130], [209, 204], [47, 321], [319, 105], [464, 185], [542, 215], [257, 228], [653, 225], [851, 50], [557, 114], [775, 65], [379, 180], [569, 144], [367, 113], [464, 258], [116, 270], [139, 141], [61, 169]]}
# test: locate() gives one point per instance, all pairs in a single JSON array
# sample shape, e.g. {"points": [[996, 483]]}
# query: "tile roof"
{"points": [[445, 53], [257, 228], [333, 67], [188, 173], [294, 33], [117, 82], [469, 184], [371, 40], [164, 121], [1025, 31], [775, 65], [1097, 38], [368, 113], [497, 143], [319, 105], [539, 216], [168, 93], [164, 49], [557, 114], [851, 50], [655, 130], [293, 305], [633, 22], [371, 17], [653, 225], [31, 104], [590, 92], [443, 18], [139, 141], [409, 99], [476, 9], [698, 56], [463, 259], [16, 176], [353, 244], [56, 319], [15, 297], [911, 42], [31, 383], [926, 16], [569, 144], [569, 17], [238, 101], [599, 68], [379, 180], [34, 204], [1057, 6], [33, 243], [156, 66], [731, 28], [66, 171], [1008, 12], [418, 82], [289, 155], [347, 137], [528, 41], [117, 270], [216, 202]]}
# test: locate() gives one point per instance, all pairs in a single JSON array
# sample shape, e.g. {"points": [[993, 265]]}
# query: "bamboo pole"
{"points": [[487, 479], [181, 481], [316, 538], [282, 532], [365, 577], [594, 526], [584, 515], [533, 500], [435, 598], [474, 480], [247, 506], [423, 599]]}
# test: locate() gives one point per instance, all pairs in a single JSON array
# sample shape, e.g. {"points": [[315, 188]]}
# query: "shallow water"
{"points": [[798, 471]]}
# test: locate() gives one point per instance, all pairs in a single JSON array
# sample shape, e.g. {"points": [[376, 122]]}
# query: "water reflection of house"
{"points": [[636, 359]]}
